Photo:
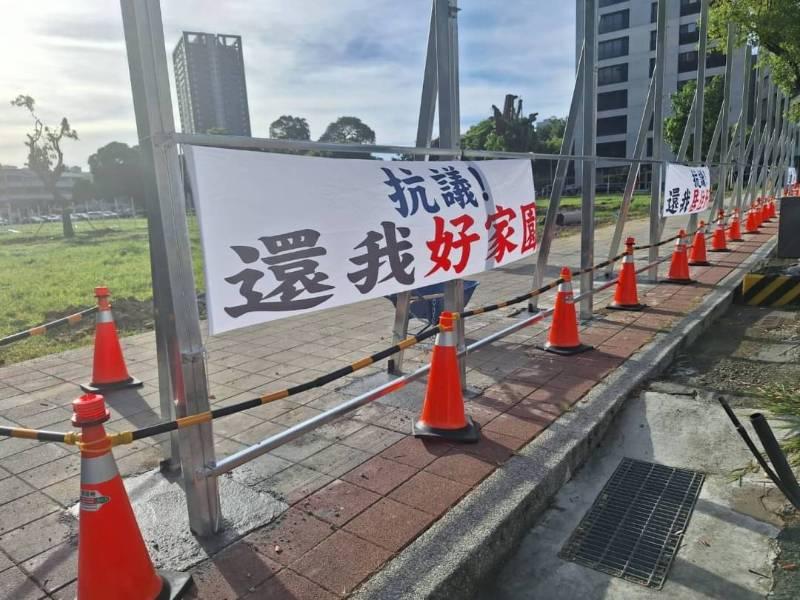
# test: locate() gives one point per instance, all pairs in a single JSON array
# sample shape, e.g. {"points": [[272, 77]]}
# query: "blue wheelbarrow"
{"points": [[427, 302]]}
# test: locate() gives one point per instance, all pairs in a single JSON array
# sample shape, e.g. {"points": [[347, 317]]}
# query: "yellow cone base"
{"points": [[469, 434]]}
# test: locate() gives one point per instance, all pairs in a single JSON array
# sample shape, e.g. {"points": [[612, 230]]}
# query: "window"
{"points": [[715, 58], [649, 151], [612, 74], [690, 7], [612, 48], [612, 100], [614, 21], [688, 33], [612, 125], [653, 40], [652, 66], [687, 61], [654, 12], [604, 3], [613, 149]]}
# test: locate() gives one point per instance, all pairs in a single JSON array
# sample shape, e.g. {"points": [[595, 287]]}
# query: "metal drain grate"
{"points": [[635, 526]]}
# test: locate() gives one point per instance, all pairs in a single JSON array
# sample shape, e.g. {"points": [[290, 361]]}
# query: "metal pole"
{"points": [[427, 110], [658, 137], [742, 125], [589, 166], [691, 120], [446, 13], [697, 143], [772, 126], [558, 186], [724, 131], [759, 132], [181, 363], [633, 173]]}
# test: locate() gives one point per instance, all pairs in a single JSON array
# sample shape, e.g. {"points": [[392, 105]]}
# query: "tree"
{"points": [[82, 191], [348, 130], [287, 127], [117, 172], [774, 25], [682, 103], [46, 157]]}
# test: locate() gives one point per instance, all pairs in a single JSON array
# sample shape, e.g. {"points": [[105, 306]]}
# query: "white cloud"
{"points": [[310, 58]]}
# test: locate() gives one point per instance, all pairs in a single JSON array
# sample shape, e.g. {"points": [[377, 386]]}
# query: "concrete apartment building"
{"points": [[210, 81], [626, 44]]}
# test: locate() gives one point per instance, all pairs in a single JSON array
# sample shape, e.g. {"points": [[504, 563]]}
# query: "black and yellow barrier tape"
{"points": [[128, 437], [44, 328]]}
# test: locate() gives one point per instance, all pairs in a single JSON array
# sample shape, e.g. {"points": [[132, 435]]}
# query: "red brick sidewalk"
{"points": [[339, 531]]}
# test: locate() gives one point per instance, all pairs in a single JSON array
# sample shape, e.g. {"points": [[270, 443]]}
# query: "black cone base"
{"points": [[705, 263], [176, 585], [466, 435], [736, 240], [629, 307], [678, 281], [712, 250], [566, 351], [100, 388]]}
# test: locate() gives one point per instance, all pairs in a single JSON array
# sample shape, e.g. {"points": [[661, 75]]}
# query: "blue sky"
{"points": [[313, 58]]}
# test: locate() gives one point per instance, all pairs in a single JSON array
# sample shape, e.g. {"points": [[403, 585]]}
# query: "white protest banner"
{"points": [[687, 190], [791, 176], [284, 234]]}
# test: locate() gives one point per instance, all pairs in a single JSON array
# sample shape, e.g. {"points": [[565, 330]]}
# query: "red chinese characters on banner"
{"points": [[500, 231], [700, 200], [444, 243], [528, 227]]}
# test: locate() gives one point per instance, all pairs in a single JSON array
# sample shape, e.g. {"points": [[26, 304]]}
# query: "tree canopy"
{"points": [[682, 103], [287, 127], [46, 156], [117, 172], [774, 26], [348, 130]]}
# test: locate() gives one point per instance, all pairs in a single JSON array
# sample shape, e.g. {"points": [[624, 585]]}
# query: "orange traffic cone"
{"points": [[626, 297], [109, 371], [443, 414], [718, 239], [772, 210], [112, 558], [698, 256], [679, 267], [763, 215], [735, 230], [751, 225], [563, 338]]}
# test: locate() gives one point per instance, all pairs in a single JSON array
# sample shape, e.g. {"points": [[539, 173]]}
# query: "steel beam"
{"points": [[700, 92], [633, 173], [589, 166], [558, 185], [427, 111], [658, 138], [181, 356]]}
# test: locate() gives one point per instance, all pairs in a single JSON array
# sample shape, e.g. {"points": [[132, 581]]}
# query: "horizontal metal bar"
{"points": [[253, 143], [247, 454], [239, 458]]}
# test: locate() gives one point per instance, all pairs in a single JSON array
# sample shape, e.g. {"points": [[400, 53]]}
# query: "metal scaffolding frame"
{"points": [[181, 355]]}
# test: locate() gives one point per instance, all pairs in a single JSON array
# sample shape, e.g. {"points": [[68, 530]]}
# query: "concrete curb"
{"points": [[462, 549]]}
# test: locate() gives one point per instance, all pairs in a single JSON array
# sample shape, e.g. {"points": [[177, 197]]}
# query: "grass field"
{"points": [[43, 276]]}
